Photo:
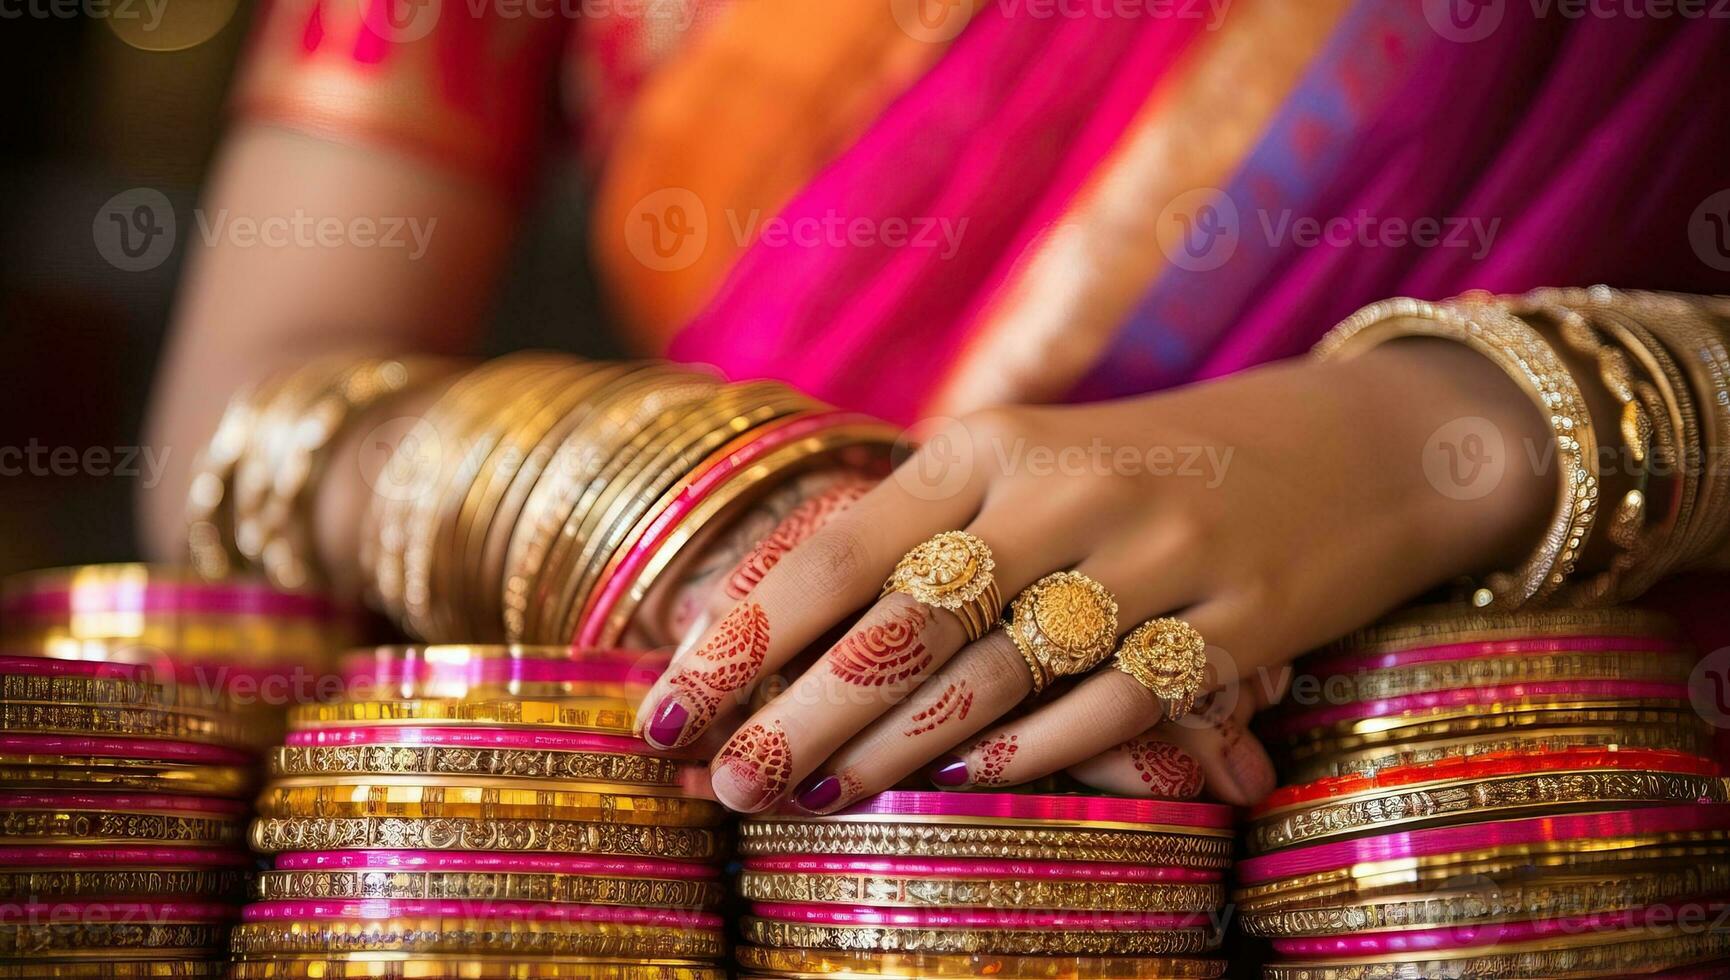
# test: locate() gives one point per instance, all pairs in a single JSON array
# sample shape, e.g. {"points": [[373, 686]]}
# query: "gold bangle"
{"points": [[447, 760], [161, 882], [476, 936], [478, 802], [1169, 658], [1488, 902], [1683, 736], [762, 838], [275, 835], [90, 690], [109, 774], [847, 888], [500, 886], [1104, 942], [1064, 624], [1456, 801], [952, 571], [1597, 954], [122, 969], [1528, 717], [1460, 623], [1449, 675], [605, 715], [114, 826], [1533, 364], [53, 939], [209, 513], [420, 966], [178, 724], [847, 965]]}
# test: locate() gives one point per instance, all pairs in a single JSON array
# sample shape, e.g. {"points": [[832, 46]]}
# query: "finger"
{"points": [[1147, 765], [1236, 766]]}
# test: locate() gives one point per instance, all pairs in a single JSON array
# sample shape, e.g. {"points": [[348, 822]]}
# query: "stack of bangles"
{"points": [[537, 499], [130, 726], [484, 811], [1527, 794], [932, 884]]}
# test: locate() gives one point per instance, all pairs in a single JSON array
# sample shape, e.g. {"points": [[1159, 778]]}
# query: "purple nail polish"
{"points": [[951, 771], [667, 724], [818, 793]]}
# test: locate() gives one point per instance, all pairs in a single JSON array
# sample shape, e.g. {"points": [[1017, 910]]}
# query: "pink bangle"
{"points": [[591, 624], [418, 668], [490, 861], [1322, 858], [80, 857], [57, 800], [171, 599], [912, 867], [479, 908], [119, 913], [1485, 934], [1055, 809], [141, 749], [1301, 723], [487, 738], [136, 673], [1350, 662], [863, 915]]}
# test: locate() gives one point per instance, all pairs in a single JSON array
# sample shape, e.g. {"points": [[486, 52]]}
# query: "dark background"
{"points": [[88, 115]]}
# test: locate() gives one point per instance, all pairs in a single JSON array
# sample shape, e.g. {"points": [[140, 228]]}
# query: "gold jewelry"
{"points": [[851, 964], [1596, 954], [1531, 362], [210, 495], [848, 888], [1063, 624], [65, 883], [133, 691], [449, 760], [1420, 626], [52, 939], [1522, 717], [421, 966], [761, 838], [1103, 942], [1684, 735], [1449, 675], [484, 802], [606, 715], [105, 969], [178, 724], [951, 571], [115, 826], [500, 886], [277, 834], [477, 936], [1169, 658]]}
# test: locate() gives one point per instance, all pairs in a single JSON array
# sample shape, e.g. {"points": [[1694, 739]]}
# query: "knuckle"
{"points": [[836, 559]]}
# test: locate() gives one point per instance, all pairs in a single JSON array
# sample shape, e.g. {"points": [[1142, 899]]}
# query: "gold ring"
{"points": [[952, 571], [1168, 657], [1063, 624]]}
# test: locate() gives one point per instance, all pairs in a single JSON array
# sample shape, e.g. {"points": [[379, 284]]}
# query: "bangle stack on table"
{"points": [[130, 719], [1490, 796], [926, 884], [483, 811]]}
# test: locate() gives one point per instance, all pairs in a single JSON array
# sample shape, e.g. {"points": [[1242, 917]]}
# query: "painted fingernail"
{"points": [[950, 771], [750, 772], [667, 724], [818, 793]]}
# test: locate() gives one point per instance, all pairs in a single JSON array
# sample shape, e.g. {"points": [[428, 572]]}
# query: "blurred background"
{"points": [[101, 108]]}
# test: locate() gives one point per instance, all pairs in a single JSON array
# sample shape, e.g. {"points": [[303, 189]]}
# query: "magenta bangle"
{"points": [[864, 915], [1349, 661], [140, 749], [1488, 933], [480, 738], [96, 800], [84, 856], [915, 867], [1306, 721], [414, 670], [491, 861], [479, 908], [23, 663], [177, 598], [593, 621], [1056, 809], [118, 913], [1322, 858]]}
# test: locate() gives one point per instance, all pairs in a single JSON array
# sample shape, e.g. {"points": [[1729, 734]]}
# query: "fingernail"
{"points": [[667, 724], [818, 793], [1248, 768], [951, 771]]}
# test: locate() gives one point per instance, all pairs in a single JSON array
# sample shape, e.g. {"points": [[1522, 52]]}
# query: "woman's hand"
{"points": [[1272, 511]]}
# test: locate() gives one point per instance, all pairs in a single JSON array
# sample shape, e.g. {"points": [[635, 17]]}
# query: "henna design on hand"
{"points": [[1164, 768], [737, 650], [887, 653], [955, 701], [757, 756], [995, 755], [804, 521]]}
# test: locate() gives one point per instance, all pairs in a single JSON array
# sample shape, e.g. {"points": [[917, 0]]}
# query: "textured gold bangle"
{"points": [[1461, 623], [209, 512], [63, 938], [64, 883], [501, 886], [606, 715], [762, 838], [1533, 364], [1687, 734], [150, 693], [849, 964], [1449, 675], [1488, 902], [155, 777], [1517, 718], [177, 724], [1593, 955], [448, 760], [118, 969], [994, 893], [477, 936], [473, 802], [114, 827], [1104, 942], [419, 966], [275, 835], [1477, 799]]}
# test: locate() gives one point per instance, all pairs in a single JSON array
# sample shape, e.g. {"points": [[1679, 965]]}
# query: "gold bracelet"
{"points": [[209, 498], [51, 939], [178, 724], [1514, 719], [1456, 801], [481, 802], [1420, 626], [496, 936], [64, 883], [1693, 737], [155, 777], [763, 838], [1450, 675], [501, 886], [1532, 363], [1068, 942], [150, 693], [1592, 955], [449, 760], [612, 716], [421, 966], [849, 964], [994, 893], [275, 835], [115, 826], [123, 969]]}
